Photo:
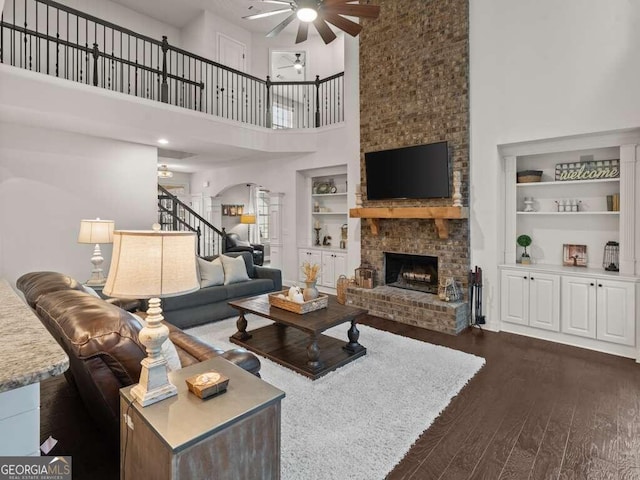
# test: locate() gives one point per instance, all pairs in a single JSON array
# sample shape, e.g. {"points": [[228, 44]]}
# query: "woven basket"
{"points": [[301, 308], [529, 176]]}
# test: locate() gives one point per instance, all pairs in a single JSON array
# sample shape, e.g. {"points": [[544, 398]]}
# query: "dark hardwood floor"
{"points": [[536, 410]]}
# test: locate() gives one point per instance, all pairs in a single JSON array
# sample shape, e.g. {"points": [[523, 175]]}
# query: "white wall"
{"points": [[50, 180], [125, 17], [539, 70], [323, 60]]}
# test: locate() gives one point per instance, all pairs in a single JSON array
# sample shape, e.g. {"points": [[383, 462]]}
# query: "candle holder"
{"points": [[317, 244]]}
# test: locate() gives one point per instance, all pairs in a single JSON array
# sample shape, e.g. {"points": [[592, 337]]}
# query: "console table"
{"points": [[232, 435]]}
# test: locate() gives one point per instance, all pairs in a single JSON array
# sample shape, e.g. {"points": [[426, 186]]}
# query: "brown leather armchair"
{"points": [[233, 243], [101, 341]]}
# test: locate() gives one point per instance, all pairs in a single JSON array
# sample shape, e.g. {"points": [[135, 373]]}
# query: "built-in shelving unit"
{"points": [[329, 214], [549, 298]]}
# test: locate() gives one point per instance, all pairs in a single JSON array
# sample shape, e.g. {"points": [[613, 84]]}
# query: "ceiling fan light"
{"points": [[297, 66], [306, 14]]}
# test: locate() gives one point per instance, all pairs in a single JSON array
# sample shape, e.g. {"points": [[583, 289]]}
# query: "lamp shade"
{"points": [[248, 218], [150, 264], [96, 231]]}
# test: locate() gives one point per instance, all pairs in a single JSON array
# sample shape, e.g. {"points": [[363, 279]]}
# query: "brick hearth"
{"points": [[420, 309]]}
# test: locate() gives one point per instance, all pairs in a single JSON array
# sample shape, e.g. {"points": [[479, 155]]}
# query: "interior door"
{"points": [[231, 53], [231, 87]]}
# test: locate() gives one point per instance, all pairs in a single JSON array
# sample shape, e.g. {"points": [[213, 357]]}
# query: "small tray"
{"points": [[301, 308]]}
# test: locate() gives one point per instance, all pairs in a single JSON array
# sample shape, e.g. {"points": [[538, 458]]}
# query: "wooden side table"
{"points": [[232, 435]]}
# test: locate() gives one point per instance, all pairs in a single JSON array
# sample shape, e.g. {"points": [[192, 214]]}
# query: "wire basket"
{"points": [[449, 290]]}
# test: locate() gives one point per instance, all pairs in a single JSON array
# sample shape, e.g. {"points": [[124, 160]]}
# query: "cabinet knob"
{"points": [[599, 284], [592, 284], [532, 278], [525, 277]]}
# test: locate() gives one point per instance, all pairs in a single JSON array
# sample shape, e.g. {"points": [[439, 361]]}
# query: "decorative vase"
{"points": [[310, 292]]}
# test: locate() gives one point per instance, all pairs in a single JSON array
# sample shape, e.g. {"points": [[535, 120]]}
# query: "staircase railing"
{"points": [[174, 214], [48, 37]]}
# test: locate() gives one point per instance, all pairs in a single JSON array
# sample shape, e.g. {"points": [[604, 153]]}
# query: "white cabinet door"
{"points": [[328, 269], [340, 266], [514, 298], [579, 306], [544, 301], [311, 256], [616, 312], [333, 265]]}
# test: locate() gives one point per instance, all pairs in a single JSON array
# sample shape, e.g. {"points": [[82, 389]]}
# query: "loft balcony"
{"points": [[50, 38]]}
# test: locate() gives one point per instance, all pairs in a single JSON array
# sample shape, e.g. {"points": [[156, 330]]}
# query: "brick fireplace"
{"points": [[416, 239], [413, 96]]}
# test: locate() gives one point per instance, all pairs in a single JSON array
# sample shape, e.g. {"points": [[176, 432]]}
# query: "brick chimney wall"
{"points": [[414, 89]]}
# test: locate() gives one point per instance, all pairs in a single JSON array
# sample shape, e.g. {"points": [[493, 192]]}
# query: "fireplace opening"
{"points": [[411, 272]]}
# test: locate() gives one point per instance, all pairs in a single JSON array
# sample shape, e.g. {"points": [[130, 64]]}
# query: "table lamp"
{"points": [[152, 265], [248, 219], [96, 231]]}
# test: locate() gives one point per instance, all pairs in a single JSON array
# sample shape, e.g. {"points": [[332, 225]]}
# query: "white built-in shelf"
{"points": [[329, 213], [568, 213], [337, 194], [568, 182]]}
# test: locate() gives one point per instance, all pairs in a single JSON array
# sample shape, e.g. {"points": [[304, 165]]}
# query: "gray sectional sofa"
{"points": [[210, 303]]}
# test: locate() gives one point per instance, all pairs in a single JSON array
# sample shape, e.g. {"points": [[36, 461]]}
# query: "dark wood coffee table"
{"points": [[296, 341]]}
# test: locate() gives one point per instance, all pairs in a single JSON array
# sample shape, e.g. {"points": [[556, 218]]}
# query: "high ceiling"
{"points": [[180, 12]]}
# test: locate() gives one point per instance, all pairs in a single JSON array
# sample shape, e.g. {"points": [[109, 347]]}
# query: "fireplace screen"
{"points": [[413, 272]]}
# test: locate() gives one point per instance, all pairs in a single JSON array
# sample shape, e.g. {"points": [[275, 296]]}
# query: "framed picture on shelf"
{"points": [[232, 210], [225, 209], [239, 209], [574, 255]]}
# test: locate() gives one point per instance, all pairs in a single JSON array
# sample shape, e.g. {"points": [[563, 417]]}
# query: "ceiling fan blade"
{"points": [[303, 31], [278, 2], [355, 10], [323, 29], [282, 25], [352, 28], [266, 14], [286, 66]]}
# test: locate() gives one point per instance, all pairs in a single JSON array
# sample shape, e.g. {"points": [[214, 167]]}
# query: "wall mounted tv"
{"points": [[421, 171]]}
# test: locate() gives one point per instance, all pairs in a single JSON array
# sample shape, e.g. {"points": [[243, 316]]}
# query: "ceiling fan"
{"points": [[320, 13], [297, 63]]}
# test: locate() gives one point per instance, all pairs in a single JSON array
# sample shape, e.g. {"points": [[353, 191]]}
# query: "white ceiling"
{"points": [[180, 12]]}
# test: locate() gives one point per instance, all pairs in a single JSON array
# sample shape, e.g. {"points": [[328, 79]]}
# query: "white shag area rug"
{"points": [[359, 421]]}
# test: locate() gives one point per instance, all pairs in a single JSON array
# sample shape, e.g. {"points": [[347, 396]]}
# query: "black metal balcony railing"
{"points": [[48, 37]]}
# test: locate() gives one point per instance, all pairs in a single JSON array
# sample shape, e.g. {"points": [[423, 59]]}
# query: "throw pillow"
{"points": [[211, 273], [168, 348], [90, 291], [235, 270]]}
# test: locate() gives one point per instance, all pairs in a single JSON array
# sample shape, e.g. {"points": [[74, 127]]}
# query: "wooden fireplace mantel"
{"points": [[440, 215]]}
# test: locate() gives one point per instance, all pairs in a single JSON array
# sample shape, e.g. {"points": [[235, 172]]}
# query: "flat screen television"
{"points": [[420, 171]]}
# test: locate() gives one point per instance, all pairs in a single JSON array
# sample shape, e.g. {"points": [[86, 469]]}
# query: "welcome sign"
{"points": [[590, 170]]}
